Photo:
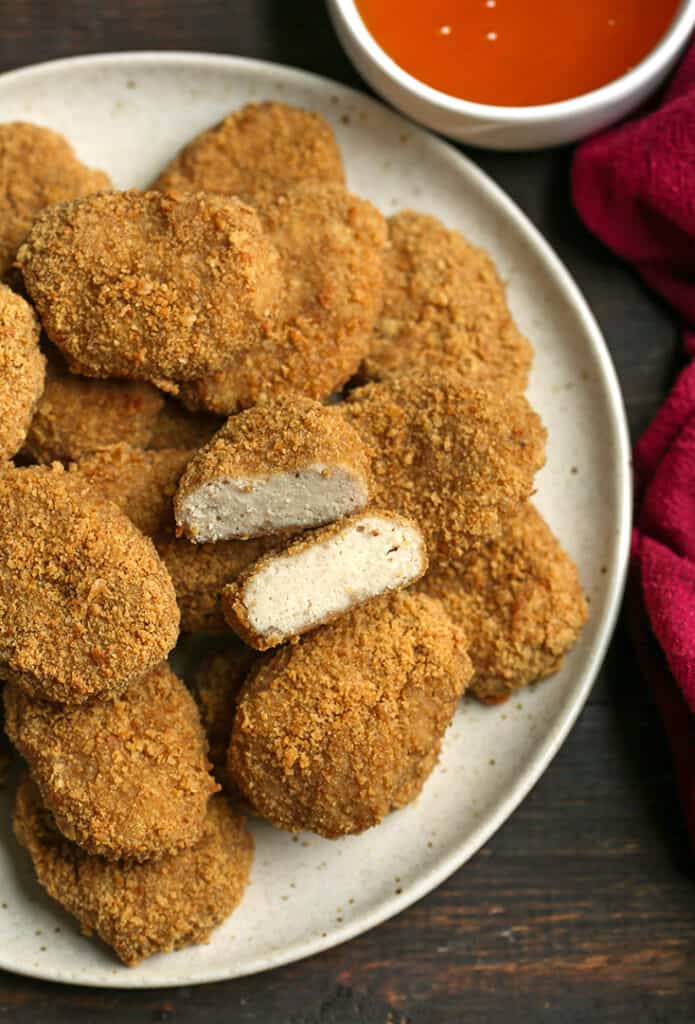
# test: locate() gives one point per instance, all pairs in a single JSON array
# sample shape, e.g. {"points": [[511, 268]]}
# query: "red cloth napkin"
{"points": [[634, 187]]}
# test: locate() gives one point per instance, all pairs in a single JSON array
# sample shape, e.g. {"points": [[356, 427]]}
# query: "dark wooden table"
{"points": [[582, 907]]}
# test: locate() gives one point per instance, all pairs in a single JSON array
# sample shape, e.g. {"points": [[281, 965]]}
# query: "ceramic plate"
{"points": [[129, 113]]}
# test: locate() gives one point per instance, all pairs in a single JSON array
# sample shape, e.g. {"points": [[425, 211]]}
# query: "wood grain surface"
{"points": [[582, 907]]}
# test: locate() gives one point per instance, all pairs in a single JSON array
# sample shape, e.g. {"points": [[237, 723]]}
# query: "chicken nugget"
{"points": [[86, 605], [37, 168], [142, 285], [335, 731], [330, 246], [141, 909], [444, 307], [216, 687], [141, 483], [521, 602], [257, 152], [22, 370], [124, 778], [322, 576], [455, 458], [289, 463], [176, 427], [78, 415]]}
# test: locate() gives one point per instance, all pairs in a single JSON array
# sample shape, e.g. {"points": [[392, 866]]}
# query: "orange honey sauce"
{"points": [[517, 53]]}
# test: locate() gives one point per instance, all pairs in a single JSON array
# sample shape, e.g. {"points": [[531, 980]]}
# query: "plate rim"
{"points": [[617, 569]]}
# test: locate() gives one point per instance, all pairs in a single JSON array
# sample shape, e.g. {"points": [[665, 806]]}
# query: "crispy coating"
{"points": [[22, 370], [216, 687], [258, 151], [200, 571], [78, 415], [138, 284], [124, 778], [330, 245], [288, 434], [141, 909], [334, 732], [444, 306], [455, 458], [521, 602], [37, 168], [86, 605], [141, 483], [176, 427]]}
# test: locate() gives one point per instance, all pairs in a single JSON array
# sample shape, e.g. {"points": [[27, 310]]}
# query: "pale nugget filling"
{"points": [[252, 506], [364, 560]]}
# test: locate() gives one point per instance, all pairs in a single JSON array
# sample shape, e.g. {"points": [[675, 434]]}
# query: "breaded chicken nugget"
{"points": [[37, 168], [124, 778], [258, 151], [456, 459], [86, 605], [520, 600], [322, 575], [141, 483], [138, 284], [332, 733], [22, 370], [216, 687], [330, 246], [141, 909], [78, 415], [176, 427], [445, 306], [289, 463]]}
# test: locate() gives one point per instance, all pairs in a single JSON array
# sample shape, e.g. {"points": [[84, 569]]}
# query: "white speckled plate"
{"points": [[129, 113]]}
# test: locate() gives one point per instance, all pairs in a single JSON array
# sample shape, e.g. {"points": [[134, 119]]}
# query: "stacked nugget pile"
{"points": [[173, 464]]}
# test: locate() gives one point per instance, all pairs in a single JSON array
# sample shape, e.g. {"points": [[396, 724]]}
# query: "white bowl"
{"points": [[494, 127]]}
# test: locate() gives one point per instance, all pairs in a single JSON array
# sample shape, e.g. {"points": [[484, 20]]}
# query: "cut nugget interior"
{"points": [[323, 575]]}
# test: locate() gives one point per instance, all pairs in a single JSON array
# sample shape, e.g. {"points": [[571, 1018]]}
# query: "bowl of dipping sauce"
{"points": [[514, 74]]}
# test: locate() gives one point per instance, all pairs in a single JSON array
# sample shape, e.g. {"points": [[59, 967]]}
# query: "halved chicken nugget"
{"points": [[124, 778], [143, 285], [289, 463], [37, 168], [141, 909], [330, 246], [520, 600], [337, 730], [86, 605], [77, 415], [258, 151], [322, 576], [444, 307], [22, 370], [455, 458]]}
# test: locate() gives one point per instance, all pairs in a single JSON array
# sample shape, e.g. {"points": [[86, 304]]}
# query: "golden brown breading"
{"points": [[200, 571], [86, 606], [141, 909], [444, 307], [138, 284], [456, 459], [323, 575], [314, 460], [216, 686], [330, 245], [176, 427], [37, 168], [258, 151], [141, 483], [22, 370], [334, 732], [520, 600], [78, 415], [124, 778]]}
